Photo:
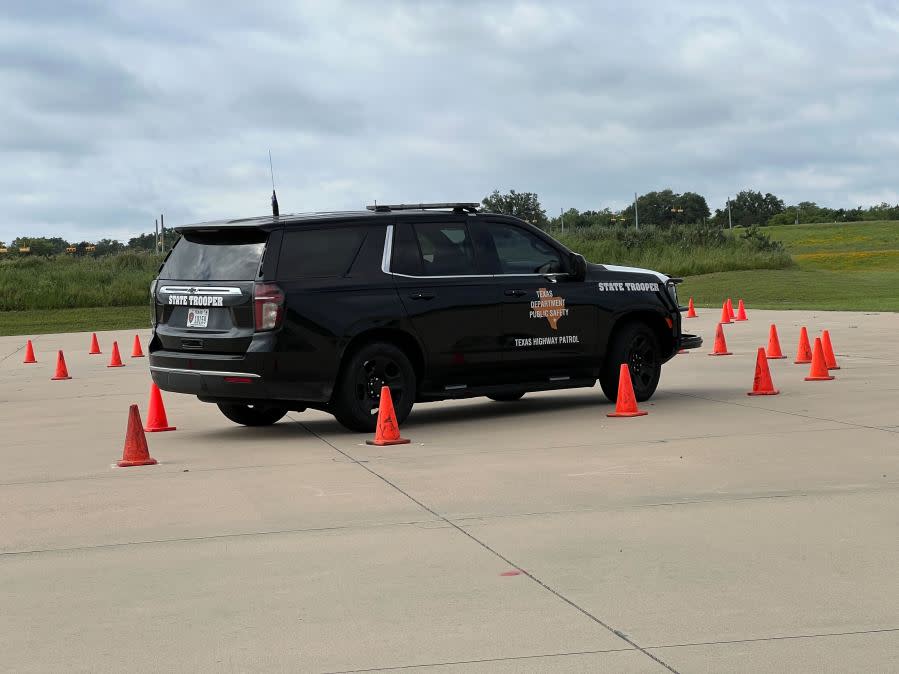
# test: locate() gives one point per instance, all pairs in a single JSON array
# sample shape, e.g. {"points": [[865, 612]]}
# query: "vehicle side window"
{"points": [[319, 253], [520, 252], [446, 249], [406, 256], [433, 249]]}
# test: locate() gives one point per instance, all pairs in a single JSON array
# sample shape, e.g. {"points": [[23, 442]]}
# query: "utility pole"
{"points": [[636, 215], [730, 222], [162, 231], [562, 218], [156, 240]]}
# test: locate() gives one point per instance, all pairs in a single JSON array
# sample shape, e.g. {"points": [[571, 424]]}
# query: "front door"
{"points": [[549, 321], [454, 306]]}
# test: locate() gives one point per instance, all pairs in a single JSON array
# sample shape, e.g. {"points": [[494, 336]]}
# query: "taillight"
{"points": [[153, 319], [268, 302]]}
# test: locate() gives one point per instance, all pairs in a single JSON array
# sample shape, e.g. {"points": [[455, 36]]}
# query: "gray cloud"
{"points": [[114, 113]]}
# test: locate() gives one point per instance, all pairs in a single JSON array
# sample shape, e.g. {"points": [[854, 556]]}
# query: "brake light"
{"points": [[268, 304], [238, 380]]}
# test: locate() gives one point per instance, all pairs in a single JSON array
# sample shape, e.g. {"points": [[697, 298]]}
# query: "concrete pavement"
{"points": [[719, 533]]}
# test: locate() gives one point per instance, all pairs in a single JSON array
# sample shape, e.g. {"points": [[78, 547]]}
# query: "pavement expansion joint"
{"points": [[499, 555], [781, 637], [511, 658]]}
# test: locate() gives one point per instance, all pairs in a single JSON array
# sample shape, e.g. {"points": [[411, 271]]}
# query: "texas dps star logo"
{"points": [[549, 307]]}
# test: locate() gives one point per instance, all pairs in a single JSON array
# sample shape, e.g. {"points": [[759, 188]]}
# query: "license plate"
{"points": [[197, 318]]}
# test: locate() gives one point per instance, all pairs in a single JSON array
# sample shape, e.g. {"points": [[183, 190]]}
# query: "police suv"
{"points": [[267, 315]]}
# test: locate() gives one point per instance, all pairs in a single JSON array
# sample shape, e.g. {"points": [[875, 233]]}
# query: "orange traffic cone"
{"points": [[762, 384], [156, 418], [29, 353], [135, 452], [818, 371], [720, 343], [829, 358], [804, 353], [626, 404], [95, 345], [691, 310], [61, 371], [725, 314], [730, 309], [136, 351], [115, 360], [741, 312], [774, 352], [387, 432]]}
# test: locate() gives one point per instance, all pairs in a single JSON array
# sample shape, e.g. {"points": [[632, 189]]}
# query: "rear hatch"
{"points": [[204, 294]]}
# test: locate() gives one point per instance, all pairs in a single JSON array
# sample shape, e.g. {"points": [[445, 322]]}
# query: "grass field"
{"points": [[39, 321], [851, 266], [846, 266]]}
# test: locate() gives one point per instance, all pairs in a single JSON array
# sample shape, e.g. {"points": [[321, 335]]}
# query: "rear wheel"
{"points": [[507, 397], [358, 394], [637, 345], [252, 415]]}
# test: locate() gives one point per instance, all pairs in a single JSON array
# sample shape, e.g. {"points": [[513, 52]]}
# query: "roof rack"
{"points": [[458, 207]]}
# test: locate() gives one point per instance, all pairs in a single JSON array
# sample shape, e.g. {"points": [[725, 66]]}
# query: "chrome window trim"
{"points": [[388, 250], [388, 253], [200, 290], [211, 373]]}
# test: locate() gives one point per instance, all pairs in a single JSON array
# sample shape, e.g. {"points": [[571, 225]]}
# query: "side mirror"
{"points": [[578, 265]]}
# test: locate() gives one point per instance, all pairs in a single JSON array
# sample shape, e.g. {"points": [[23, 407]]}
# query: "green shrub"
{"points": [[65, 281], [681, 250]]}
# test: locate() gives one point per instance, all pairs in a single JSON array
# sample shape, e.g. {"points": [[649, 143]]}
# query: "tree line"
{"points": [[47, 246], [666, 208]]}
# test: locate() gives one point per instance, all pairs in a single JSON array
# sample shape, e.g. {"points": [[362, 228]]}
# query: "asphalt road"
{"points": [[720, 533]]}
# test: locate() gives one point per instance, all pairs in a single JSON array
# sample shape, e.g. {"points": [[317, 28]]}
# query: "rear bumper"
{"points": [[208, 379], [690, 341]]}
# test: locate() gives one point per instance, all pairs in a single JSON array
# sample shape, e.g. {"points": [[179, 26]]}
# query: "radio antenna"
{"points": [[275, 210]]}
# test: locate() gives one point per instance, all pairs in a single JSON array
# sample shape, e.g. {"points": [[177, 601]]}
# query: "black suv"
{"points": [[266, 315]]}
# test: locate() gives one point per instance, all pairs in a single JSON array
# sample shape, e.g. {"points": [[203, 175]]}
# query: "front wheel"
{"points": [[637, 345], [252, 415], [358, 394]]}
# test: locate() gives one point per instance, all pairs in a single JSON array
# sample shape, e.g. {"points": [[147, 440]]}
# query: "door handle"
{"points": [[515, 293], [421, 296]]}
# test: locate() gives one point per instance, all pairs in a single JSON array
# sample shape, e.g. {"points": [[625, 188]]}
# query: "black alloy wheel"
{"points": [[637, 345], [367, 370]]}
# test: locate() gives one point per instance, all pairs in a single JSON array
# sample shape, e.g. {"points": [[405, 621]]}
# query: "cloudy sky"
{"points": [[115, 112]]}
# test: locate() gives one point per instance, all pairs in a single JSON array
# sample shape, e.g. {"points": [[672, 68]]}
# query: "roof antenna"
{"points": [[275, 211]]}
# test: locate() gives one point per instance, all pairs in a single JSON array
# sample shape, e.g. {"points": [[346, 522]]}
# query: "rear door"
{"points": [[453, 303], [203, 296]]}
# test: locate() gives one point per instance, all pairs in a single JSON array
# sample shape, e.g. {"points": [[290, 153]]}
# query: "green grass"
{"points": [[797, 289], [65, 282], [837, 237], [686, 251], [848, 266], [89, 319]]}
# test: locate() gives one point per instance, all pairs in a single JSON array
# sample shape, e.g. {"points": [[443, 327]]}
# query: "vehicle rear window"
{"points": [[317, 253], [216, 256]]}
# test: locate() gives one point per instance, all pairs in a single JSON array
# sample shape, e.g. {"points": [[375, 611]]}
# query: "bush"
{"points": [[682, 250], [65, 281]]}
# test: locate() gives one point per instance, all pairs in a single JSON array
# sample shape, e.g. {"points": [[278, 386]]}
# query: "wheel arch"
{"points": [[655, 321], [399, 338]]}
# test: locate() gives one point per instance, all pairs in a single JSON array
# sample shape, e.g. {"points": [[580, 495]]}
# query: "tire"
{"points": [[252, 415], [637, 345], [507, 397], [358, 393]]}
